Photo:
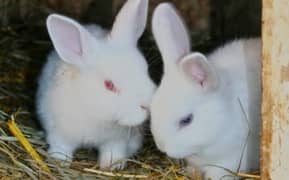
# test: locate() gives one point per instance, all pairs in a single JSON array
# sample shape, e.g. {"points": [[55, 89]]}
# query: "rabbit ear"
{"points": [[130, 21], [71, 41], [170, 33], [196, 67]]}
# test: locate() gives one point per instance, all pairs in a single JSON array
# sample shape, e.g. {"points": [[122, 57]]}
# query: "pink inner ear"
{"points": [[197, 73], [74, 42], [68, 36]]}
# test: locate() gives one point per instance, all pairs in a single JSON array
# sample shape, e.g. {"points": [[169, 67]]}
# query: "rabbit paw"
{"points": [[60, 150], [112, 156]]}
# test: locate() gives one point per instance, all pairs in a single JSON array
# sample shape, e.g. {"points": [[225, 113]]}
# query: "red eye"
{"points": [[110, 86]]}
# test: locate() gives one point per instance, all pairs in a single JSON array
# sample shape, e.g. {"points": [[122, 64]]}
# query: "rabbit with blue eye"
{"points": [[207, 108], [95, 90]]}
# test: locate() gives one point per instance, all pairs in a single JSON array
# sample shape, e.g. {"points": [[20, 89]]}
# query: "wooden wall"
{"points": [[275, 105]]}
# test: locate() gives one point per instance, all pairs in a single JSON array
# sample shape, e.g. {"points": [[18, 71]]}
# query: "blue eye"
{"points": [[186, 121]]}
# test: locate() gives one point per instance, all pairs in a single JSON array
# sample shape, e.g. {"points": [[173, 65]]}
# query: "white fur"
{"points": [[75, 108], [214, 89]]}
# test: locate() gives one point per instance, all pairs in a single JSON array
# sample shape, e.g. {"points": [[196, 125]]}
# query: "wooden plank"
{"points": [[275, 105]]}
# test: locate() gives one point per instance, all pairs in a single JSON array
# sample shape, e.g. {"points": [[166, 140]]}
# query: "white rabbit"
{"points": [[206, 106], [95, 89]]}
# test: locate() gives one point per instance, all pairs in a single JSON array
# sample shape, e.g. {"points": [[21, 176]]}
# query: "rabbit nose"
{"points": [[143, 107]]}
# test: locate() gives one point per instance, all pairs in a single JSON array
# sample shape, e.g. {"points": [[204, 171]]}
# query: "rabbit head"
{"points": [[189, 110], [110, 68]]}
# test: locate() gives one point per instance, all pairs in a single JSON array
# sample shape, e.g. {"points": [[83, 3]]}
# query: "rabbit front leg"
{"points": [[59, 148], [134, 141], [199, 167], [112, 155], [218, 173]]}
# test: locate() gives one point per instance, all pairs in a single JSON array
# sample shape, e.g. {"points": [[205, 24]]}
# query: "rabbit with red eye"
{"points": [[207, 108], [94, 90]]}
